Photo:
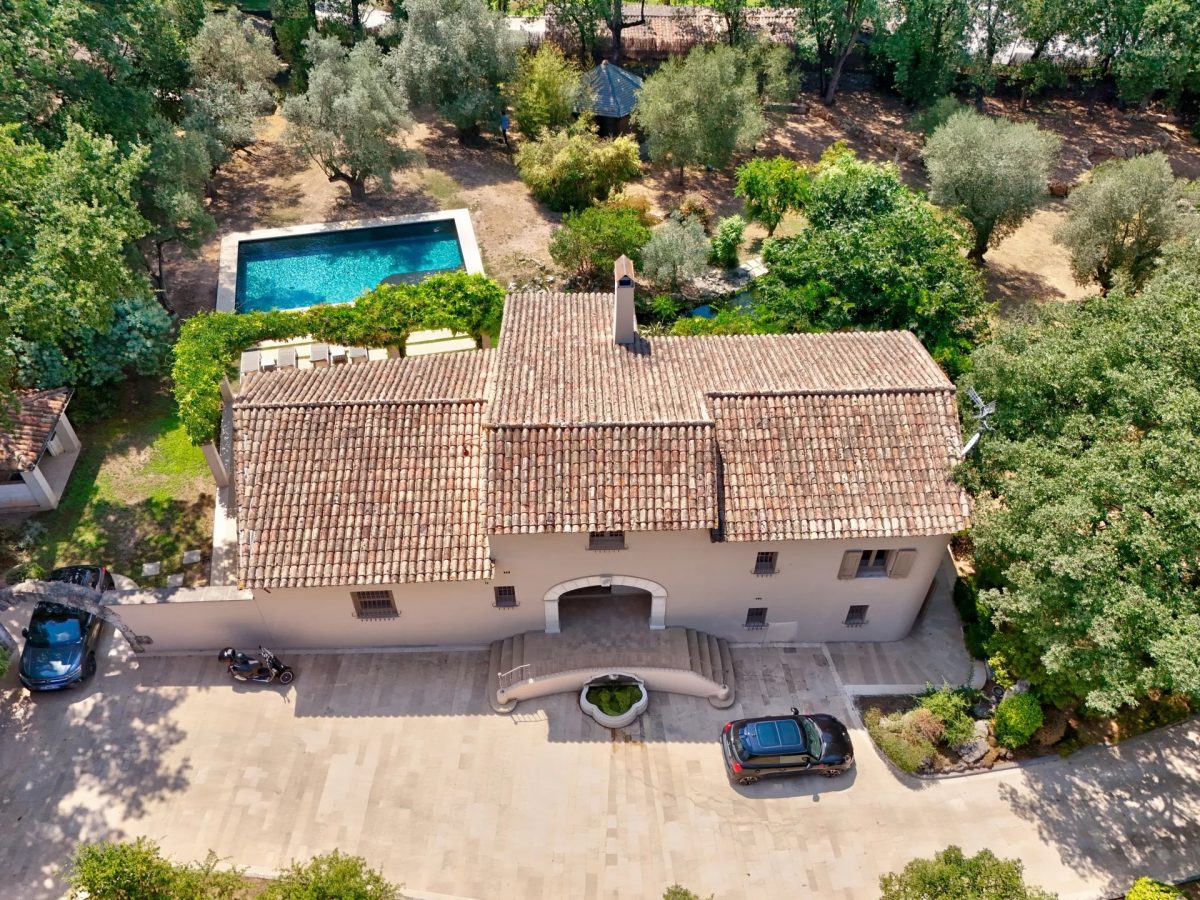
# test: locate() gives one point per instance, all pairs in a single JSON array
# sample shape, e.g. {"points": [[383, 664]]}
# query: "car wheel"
{"points": [[748, 780], [287, 676], [91, 666]]}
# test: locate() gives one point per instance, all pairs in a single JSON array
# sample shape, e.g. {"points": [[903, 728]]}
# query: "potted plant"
{"points": [[614, 700]]}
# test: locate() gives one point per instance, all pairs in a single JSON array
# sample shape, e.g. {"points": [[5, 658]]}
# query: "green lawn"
{"points": [[140, 493]]}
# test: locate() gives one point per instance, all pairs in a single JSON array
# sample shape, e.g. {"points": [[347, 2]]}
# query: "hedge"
{"points": [[210, 344]]}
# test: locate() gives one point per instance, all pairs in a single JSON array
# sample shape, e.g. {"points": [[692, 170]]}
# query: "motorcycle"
{"points": [[264, 669]]}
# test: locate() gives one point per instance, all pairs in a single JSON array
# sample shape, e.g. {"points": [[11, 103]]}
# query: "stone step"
{"points": [[506, 655], [714, 654], [706, 665], [693, 650], [727, 665], [518, 650]]}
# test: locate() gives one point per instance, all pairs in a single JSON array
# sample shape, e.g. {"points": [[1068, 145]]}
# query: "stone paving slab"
{"points": [[396, 756]]}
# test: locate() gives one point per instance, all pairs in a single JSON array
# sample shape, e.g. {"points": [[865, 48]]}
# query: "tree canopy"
{"points": [[952, 875], [991, 171], [701, 109], [1087, 491], [453, 55], [1120, 218], [571, 168], [771, 188], [873, 256], [548, 91], [833, 27], [926, 46], [348, 120]]}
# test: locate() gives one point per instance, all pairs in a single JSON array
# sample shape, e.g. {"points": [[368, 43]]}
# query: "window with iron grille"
{"points": [[857, 615], [764, 563], [756, 617], [606, 540], [506, 596], [374, 604]]}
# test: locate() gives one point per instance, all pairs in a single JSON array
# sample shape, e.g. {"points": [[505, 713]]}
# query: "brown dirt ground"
{"points": [[265, 187]]}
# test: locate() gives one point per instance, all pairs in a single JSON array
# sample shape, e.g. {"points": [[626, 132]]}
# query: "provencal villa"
{"points": [[583, 495]]}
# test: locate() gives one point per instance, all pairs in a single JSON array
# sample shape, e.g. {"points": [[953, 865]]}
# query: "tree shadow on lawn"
{"points": [[78, 766], [1118, 813]]}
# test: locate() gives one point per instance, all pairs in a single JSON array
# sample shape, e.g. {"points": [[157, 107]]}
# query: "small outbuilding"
{"points": [[613, 92], [38, 450]]}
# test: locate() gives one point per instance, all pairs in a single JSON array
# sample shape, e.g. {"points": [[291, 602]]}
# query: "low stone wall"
{"points": [[191, 619]]}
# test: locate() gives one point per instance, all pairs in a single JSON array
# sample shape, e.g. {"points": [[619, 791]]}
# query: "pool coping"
{"points": [[227, 271]]}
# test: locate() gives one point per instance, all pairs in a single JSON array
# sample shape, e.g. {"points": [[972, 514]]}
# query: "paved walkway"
{"points": [[397, 757]]}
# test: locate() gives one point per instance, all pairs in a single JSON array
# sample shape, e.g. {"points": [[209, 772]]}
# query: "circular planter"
{"points": [[616, 679]]}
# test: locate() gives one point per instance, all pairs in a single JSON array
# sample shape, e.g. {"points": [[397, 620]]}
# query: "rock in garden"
{"points": [[1053, 729], [1021, 687], [977, 747]]}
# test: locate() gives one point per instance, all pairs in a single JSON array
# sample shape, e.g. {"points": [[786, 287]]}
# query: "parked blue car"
{"points": [[60, 642]]}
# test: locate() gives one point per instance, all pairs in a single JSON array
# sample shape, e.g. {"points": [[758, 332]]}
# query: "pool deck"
{"points": [[228, 269]]}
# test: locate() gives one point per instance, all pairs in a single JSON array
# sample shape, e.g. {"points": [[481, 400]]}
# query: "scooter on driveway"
{"points": [[264, 669]]}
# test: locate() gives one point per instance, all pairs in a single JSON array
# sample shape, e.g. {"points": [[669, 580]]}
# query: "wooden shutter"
{"points": [[902, 563], [850, 561]]}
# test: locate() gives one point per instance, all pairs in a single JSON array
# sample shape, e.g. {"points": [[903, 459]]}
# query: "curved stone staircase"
{"points": [[677, 660]]}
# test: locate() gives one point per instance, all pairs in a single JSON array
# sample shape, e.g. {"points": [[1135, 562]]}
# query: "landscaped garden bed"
{"points": [[615, 700]]}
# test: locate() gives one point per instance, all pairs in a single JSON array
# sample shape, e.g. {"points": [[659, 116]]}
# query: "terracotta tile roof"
{"points": [[381, 487], [839, 465], [456, 376], [600, 478], [32, 423]]}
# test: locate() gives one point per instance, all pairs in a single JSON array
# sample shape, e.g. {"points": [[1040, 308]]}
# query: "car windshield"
{"points": [[814, 737], [54, 631], [88, 576]]}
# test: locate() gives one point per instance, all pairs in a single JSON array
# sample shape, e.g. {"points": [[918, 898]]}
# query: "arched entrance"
{"points": [[658, 596]]}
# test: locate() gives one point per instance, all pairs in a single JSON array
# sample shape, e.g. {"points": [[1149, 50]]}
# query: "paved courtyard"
{"points": [[396, 756]]}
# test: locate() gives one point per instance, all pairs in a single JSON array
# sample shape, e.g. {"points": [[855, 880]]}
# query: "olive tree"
{"points": [[453, 55], [1120, 218], [677, 251], [347, 121], [701, 109], [991, 171]]}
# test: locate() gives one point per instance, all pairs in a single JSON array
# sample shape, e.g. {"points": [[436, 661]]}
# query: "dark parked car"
{"points": [[786, 745], [60, 642]]}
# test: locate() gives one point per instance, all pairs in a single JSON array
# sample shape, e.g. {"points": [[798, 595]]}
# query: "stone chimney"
{"points": [[624, 319]]}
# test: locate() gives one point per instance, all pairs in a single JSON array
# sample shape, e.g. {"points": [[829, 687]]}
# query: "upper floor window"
{"points": [[606, 540], [877, 563], [374, 604], [764, 563]]}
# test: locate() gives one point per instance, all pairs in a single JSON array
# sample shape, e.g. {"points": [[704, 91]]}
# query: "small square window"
{"points": [[857, 615], [873, 564], [374, 605], [506, 596], [606, 540], [756, 617], [764, 563]]}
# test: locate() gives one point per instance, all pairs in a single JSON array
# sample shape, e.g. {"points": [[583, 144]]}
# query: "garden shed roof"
{"points": [[613, 90], [32, 424]]}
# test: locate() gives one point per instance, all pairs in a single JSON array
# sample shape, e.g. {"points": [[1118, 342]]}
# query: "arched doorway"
{"points": [[596, 587]]}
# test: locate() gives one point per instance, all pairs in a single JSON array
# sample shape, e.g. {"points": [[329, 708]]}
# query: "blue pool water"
{"points": [[335, 267]]}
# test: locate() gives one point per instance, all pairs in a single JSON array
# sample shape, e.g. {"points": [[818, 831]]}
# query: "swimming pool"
{"points": [[337, 264]]}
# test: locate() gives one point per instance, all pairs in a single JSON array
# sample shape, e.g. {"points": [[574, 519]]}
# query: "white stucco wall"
{"points": [[16, 495]]}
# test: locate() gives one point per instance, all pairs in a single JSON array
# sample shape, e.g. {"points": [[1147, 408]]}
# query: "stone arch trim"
{"points": [[658, 596]]}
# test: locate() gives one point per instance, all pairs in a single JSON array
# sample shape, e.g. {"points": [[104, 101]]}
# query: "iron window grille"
{"points": [[756, 618], [606, 540], [506, 596], [764, 563], [374, 605], [856, 617]]}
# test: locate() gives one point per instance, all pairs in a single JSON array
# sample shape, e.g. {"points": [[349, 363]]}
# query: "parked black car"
{"points": [[786, 745], [60, 642]]}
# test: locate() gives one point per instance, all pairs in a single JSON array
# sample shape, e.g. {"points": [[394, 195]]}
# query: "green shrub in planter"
{"points": [[331, 875], [1149, 889], [1017, 718], [904, 746], [616, 700], [951, 707]]}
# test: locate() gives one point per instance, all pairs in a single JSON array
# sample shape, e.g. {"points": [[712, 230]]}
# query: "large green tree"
{"points": [[1088, 487], [926, 46], [991, 171], [873, 256], [833, 27], [349, 119], [548, 91], [453, 55], [771, 188], [1121, 217], [701, 109]]}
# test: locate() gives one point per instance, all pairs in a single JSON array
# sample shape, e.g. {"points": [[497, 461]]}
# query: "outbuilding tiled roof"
{"points": [[613, 90], [381, 487], [839, 465], [31, 425], [398, 470]]}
